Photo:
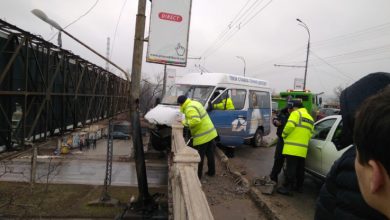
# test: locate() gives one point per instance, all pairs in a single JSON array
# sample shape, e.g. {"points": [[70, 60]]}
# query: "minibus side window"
{"points": [[259, 99], [238, 98]]}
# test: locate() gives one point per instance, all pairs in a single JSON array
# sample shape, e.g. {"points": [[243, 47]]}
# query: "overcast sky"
{"points": [[349, 38]]}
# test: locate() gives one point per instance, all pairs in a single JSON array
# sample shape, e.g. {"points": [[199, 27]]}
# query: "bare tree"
{"points": [[149, 92], [31, 207], [337, 91]]}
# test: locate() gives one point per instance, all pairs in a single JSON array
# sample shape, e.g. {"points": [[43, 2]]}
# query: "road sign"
{"points": [[298, 84]]}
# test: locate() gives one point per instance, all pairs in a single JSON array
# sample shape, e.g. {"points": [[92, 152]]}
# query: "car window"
{"points": [[238, 98], [337, 133], [322, 129]]}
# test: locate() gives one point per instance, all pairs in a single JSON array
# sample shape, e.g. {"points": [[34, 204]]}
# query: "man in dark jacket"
{"points": [[340, 197], [279, 121], [372, 141]]}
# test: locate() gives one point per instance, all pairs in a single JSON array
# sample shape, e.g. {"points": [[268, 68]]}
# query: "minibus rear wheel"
{"points": [[258, 138]]}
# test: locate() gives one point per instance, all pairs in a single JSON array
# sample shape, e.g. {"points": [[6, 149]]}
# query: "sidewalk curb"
{"points": [[255, 194]]}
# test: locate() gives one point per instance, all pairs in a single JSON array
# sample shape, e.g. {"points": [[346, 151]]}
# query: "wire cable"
{"points": [[238, 20], [384, 28], [236, 30], [333, 67], [116, 28], [226, 30], [77, 19]]}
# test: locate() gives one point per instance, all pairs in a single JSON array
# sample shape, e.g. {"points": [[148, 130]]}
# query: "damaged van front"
{"points": [[162, 116]]}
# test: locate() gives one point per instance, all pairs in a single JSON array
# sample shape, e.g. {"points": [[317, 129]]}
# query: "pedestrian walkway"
{"points": [[87, 166]]}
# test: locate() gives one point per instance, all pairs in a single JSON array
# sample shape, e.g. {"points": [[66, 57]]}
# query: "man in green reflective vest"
{"points": [[202, 131], [296, 135]]}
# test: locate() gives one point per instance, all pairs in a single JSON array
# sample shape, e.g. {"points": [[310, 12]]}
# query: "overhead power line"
{"points": [[235, 26], [364, 61], [228, 27], [347, 37], [384, 28], [116, 27], [77, 19], [332, 66]]}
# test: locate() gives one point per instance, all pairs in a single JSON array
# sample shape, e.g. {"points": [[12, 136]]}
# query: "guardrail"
{"points": [[188, 200]]}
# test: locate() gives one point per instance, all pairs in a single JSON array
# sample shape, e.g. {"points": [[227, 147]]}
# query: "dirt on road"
{"points": [[227, 198]]}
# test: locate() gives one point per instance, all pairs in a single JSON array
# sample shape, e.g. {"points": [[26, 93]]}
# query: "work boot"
{"points": [[284, 191], [298, 189], [210, 174]]}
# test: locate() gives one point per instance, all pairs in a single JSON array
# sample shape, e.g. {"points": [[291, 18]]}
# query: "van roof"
{"points": [[212, 79]]}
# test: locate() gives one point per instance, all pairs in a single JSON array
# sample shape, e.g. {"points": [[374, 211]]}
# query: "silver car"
{"points": [[322, 151]]}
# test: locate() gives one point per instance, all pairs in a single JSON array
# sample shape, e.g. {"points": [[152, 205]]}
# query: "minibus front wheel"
{"points": [[257, 140]]}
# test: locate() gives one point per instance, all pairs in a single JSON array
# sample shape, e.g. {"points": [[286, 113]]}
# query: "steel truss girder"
{"points": [[46, 90]]}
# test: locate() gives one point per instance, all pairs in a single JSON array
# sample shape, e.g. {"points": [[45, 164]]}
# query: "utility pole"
{"points": [[164, 81], [33, 172], [144, 199]]}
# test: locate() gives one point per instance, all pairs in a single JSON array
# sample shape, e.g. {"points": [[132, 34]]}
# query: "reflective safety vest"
{"points": [[228, 103], [196, 118], [297, 133]]}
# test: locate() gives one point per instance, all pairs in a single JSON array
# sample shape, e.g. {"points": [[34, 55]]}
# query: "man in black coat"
{"points": [[279, 121], [372, 141], [340, 197]]}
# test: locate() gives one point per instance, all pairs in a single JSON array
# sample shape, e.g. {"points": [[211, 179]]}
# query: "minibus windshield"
{"points": [[198, 93]]}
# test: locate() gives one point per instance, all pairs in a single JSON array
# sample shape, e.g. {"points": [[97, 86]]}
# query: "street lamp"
{"points": [[243, 60], [41, 15], [301, 23]]}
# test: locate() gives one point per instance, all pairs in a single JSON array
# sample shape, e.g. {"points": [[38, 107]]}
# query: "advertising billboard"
{"points": [[168, 32]]}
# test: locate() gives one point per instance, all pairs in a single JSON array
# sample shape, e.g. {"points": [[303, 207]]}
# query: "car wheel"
{"points": [[257, 140]]}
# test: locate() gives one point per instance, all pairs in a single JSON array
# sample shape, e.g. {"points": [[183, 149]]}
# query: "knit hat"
{"points": [[294, 103], [181, 99]]}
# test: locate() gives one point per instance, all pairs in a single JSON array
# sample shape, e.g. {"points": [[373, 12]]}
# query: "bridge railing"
{"points": [[188, 200]]}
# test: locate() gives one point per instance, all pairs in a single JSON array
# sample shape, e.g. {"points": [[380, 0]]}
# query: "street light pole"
{"points": [[301, 23], [243, 60], [144, 198], [40, 14]]}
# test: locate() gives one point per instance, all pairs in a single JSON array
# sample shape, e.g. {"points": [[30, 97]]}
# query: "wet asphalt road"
{"points": [[257, 162]]}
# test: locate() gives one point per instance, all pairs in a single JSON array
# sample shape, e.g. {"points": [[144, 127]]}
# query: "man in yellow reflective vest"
{"points": [[202, 131], [296, 135], [224, 104]]}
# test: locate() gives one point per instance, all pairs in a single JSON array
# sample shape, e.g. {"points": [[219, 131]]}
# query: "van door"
{"points": [[230, 124]]}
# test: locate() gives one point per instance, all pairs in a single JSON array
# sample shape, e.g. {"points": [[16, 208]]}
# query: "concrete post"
{"points": [[33, 165]]}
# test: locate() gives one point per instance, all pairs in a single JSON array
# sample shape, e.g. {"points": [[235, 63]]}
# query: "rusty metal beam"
{"points": [[11, 61], [46, 99], [32, 76]]}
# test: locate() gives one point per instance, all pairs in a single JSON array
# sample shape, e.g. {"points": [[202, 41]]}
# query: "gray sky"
{"points": [[350, 38]]}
